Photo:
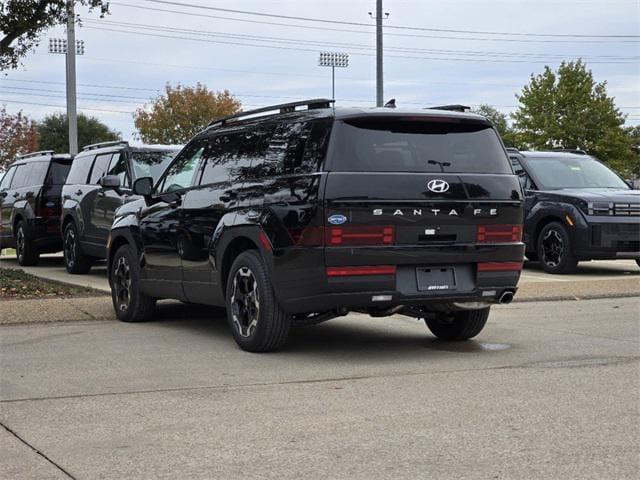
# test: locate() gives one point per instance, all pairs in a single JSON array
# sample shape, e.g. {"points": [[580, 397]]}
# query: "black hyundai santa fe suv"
{"points": [[305, 214], [98, 184], [576, 208], [30, 204]]}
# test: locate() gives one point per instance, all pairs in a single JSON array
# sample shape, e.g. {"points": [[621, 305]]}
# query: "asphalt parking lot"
{"points": [[548, 390]]}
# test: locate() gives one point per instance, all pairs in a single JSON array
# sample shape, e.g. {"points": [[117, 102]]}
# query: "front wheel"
{"points": [[554, 249], [460, 325], [257, 321], [26, 251], [130, 304]]}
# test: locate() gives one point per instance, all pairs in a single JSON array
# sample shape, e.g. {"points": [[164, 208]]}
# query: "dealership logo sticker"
{"points": [[438, 186], [337, 219]]}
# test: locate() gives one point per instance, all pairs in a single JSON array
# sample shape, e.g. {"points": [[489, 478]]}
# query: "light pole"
{"points": [[59, 46], [333, 60]]}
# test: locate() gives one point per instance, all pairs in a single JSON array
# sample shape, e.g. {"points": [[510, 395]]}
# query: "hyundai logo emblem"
{"points": [[438, 186]]}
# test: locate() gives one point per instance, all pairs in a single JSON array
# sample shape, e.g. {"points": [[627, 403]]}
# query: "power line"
{"points": [[312, 27], [340, 22], [361, 46], [280, 47], [62, 106]]}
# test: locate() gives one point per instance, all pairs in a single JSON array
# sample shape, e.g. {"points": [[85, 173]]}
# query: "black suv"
{"points": [[299, 216], [576, 209], [100, 182], [30, 204]]}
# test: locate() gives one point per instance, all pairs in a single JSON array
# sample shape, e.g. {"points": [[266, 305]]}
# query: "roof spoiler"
{"points": [[451, 108]]}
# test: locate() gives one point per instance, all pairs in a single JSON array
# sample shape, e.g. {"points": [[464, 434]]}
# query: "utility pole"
{"points": [[379, 74], [72, 116]]}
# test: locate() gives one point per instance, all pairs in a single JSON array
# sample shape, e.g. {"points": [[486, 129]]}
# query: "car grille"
{"points": [[614, 209]]}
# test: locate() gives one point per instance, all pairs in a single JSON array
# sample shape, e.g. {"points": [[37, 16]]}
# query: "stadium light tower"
{"points": [[59, 46], [333, 60]]}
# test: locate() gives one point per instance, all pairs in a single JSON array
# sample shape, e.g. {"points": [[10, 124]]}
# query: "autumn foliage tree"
{"points": [[17, 135], [181, 112]]}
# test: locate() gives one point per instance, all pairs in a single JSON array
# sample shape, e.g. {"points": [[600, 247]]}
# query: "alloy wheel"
{"points": [[70, 247], [122, 283], [245, 302], [20, 243], [552, 248]]}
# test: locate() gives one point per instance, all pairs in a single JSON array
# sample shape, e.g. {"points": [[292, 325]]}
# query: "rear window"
{"points": [[58, 172], [383, 145]]}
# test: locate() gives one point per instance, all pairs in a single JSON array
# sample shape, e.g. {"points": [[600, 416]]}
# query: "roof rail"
{"points": [[35, 154], [577, 151], [93, 146], [453, 108], [282, 108]]}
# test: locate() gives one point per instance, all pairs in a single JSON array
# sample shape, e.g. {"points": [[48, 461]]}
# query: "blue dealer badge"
{"points": [[337, 219]]}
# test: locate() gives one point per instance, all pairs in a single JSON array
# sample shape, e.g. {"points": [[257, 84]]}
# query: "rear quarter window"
{"points": [[425, 146], [80, 170]]}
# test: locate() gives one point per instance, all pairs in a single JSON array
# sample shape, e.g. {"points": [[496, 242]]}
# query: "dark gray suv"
{"points": [[99, 183]]}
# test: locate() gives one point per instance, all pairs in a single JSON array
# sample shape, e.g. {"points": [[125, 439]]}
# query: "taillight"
{"points": [[347, 236], [353, 271], [360, 235], [499, 233], [499, 266]]}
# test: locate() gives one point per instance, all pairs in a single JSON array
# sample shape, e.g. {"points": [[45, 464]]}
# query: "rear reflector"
{"points": [[352, 271], [499, 267], [360, 235], [499, 233]]}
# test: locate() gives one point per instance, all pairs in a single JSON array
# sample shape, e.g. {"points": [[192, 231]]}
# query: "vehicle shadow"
{"points": [[591, 268], [335, 340]]}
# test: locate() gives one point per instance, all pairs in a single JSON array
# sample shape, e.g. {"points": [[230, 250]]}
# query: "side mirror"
{"points": [[110, 181], [143, 186]]}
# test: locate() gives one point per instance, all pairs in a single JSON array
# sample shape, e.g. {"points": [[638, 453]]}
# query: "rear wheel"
{"points": [[257, 321], [130, 304], [75, 260], [461, 325], [26, 251], [554, 249], [638, 261]]}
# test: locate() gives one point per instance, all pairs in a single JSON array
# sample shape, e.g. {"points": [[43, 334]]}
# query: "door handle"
{"points": [[16, 195], [78, 192]]}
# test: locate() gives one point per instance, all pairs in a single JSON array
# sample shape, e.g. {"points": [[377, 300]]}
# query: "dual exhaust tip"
{"points": [[506, 298]]}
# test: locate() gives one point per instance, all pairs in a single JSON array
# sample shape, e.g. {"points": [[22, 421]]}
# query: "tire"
{"points": [[257, 321], [26, 252], [531, 256], [460, 325], [638, 261], [129, 303], [75, 260], [554, 249]]}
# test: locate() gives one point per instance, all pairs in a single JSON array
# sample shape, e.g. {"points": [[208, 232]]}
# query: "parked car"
{"points": [[30, 204], [299, 213], [576, 208], [99, 182]]}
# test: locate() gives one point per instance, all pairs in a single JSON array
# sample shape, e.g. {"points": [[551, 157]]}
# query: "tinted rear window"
{"points": [[58, 172], [383, 145]]}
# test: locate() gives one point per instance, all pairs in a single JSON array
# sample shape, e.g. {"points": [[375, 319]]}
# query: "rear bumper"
{"points": [[302, 286]]}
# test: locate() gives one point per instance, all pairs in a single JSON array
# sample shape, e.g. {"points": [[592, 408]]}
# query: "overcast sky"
{"points": [[228, 50]]}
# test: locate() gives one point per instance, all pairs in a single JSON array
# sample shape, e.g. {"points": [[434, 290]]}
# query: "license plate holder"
{"points": [[436, 279]]}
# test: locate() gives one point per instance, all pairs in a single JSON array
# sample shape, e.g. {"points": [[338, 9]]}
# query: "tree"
{"points": [[22, 21], [17, 135], [53, 132], [569, 109], [499, 121], [181, 112]]}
